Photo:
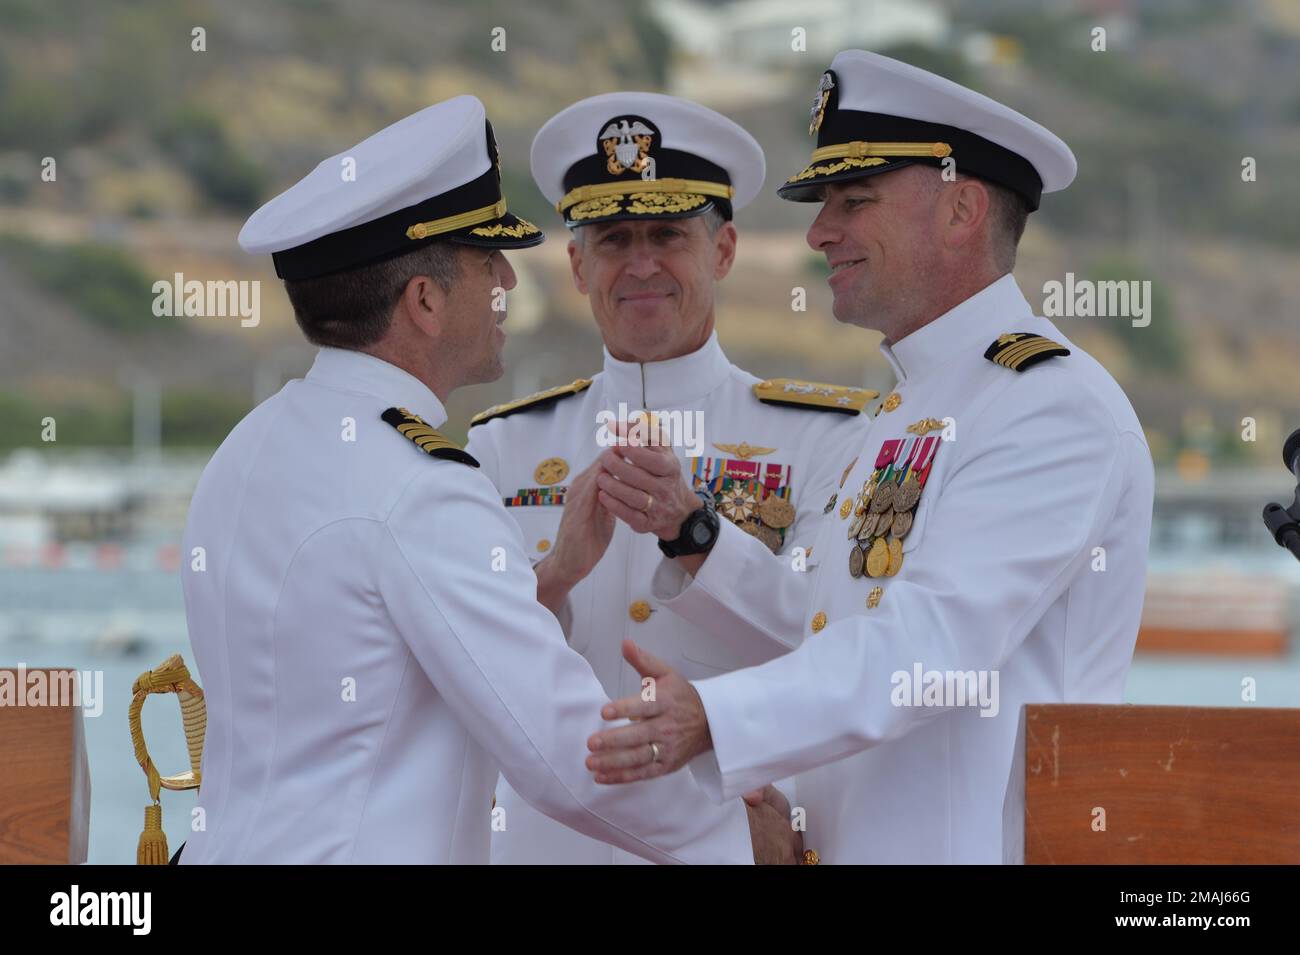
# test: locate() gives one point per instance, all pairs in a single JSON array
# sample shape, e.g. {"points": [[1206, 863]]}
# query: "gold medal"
{"points": [[902, 523], [845, 507], [776, 512], [907, 494], [884, 521], [749, 527], [551, 471], [882, 497], [895, 552], [770, 537], [877, 558], [855, 561], [868, 528], [856, 525]]}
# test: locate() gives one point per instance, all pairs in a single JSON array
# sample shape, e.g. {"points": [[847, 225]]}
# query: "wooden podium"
{"points": [[1174, 785], [44, 781]]}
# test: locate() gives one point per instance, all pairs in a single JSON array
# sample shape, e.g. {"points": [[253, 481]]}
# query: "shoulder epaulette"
{"points": [[1021, 350], [536, 402], [428, 440], [814, 395]]}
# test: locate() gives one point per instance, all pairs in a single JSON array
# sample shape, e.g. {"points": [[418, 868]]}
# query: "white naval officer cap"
{"points": [[435, 175], [644, 156], [872, 115]]}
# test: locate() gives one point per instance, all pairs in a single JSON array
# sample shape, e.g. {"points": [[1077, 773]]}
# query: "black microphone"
{"points": [[1291, 453], [1282, 522]]}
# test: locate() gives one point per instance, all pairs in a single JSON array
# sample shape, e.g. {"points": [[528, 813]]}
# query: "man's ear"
{"points": [[424, 303], [725, 244], [967, 209], [575, 265]]}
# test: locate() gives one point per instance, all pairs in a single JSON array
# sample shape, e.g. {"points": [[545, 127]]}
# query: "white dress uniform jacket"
{"points": [[1026, 559], [372, 652], [801, 448]]}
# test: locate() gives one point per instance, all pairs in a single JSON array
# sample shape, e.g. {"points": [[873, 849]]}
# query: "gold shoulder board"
{"points": [[814, 395], [417, 430], [1021, 350], [543, 399]]}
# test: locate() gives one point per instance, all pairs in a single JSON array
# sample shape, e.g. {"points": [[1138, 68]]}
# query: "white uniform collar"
{"points": [[347, 370], [664, 384], [998, 307]]}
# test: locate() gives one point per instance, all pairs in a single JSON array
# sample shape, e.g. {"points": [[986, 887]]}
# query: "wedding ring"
{"points": [[654, 752], [649, 503]]}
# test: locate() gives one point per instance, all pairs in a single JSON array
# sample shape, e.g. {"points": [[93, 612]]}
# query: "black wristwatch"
{"points": [[699, 531]]}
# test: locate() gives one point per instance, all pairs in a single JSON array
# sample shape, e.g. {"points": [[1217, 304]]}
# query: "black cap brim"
{"points": [[507, 231], [807, 185]]}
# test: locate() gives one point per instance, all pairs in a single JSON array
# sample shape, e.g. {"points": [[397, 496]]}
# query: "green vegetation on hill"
{"points": [[104, 283], [190, 419], [200, 144], [1160, 345]]}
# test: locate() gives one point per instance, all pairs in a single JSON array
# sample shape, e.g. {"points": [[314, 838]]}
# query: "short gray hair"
{"points": [[1008, 213]]}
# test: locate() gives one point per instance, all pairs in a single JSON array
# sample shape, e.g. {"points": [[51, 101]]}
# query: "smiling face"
{"points": [[473, 337], [651, 282], [883, 239]]}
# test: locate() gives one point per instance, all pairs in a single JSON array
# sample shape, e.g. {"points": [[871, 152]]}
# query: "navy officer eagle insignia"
{"points": [[1021, 350], [431, 442]]}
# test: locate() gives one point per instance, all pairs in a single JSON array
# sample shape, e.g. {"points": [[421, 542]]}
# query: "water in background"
{"points": [[117, 607], [119, 794]]}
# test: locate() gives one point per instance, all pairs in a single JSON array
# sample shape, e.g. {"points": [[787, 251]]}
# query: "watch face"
{"points": [[700, 534]]}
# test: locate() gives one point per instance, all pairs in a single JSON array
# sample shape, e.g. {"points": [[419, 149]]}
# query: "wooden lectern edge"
{"points": [[1013, 803], [1282, 722], [79, 815], [67, 783]]}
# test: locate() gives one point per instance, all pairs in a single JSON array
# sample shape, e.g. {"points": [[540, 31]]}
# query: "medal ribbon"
{"points": [[927, 459], [907, 465], [887, 452], [899, 446]]}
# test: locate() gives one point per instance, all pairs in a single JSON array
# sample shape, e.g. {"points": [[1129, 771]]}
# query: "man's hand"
{"points": [[580, 541], [671, 726], [776, 842], [644, 488]]}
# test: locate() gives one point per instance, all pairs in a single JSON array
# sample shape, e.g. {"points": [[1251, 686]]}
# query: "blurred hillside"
{"points": [[162, 151]]}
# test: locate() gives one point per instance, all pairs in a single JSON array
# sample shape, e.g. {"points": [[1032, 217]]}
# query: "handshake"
{"points": [[643, 486], [640, 484]]}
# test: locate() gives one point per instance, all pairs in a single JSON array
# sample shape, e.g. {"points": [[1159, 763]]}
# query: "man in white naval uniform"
{"points": [[767, 455], [360, 606], [992, 547]]}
